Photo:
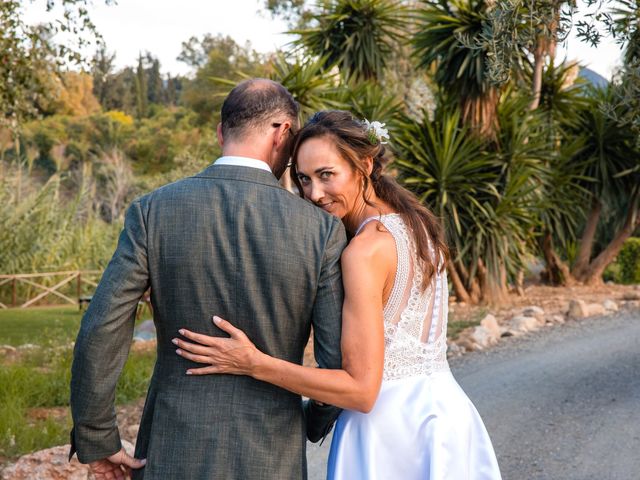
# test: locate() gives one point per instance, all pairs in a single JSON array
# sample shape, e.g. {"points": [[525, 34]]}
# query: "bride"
{"points": [[405, 416]]}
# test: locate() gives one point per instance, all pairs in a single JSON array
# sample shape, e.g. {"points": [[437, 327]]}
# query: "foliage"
{"points": [[629, 261], [357, 36], [216, 58], [44, 231], [40, 379], [28, 54], [311, 85], [448, 36]]}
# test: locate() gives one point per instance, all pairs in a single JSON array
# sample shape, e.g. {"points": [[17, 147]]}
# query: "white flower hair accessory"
{"points": [[376, 131]]}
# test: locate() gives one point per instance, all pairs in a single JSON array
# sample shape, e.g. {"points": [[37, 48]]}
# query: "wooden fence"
{"points": [[36, 281]]}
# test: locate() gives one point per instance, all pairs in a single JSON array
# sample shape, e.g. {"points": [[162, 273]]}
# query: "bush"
{"points": [[629, 261]]}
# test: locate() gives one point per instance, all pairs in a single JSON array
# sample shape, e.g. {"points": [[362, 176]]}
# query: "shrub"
{"points": [[629, 261]]}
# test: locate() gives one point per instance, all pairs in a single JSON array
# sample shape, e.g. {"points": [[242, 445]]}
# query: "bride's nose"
{"points": [[316, 193]]}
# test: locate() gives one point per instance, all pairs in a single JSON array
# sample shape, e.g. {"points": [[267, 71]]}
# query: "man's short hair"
{"points": [[254, 103]]}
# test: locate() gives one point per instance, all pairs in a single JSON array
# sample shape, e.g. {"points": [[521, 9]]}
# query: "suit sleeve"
{"points": [[327, 327], [104, 340]]}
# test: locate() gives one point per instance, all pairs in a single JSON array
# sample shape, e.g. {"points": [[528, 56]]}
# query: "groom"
{"points": [[228, 241]]}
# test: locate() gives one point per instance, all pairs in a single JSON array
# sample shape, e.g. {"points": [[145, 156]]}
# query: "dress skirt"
{"points": [[421, 427]]}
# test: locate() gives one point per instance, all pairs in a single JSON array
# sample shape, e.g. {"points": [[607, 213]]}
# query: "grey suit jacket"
{"points": [[229, 241]]}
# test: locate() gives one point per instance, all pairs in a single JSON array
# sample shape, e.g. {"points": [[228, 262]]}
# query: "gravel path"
{"points": [[559, 404]]}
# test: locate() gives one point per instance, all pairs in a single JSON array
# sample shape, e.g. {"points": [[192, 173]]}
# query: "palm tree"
{"points": [[450, 35], [357, 36]]}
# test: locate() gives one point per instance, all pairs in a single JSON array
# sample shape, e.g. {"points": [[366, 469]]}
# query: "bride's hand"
{"points": [[234, 355]]}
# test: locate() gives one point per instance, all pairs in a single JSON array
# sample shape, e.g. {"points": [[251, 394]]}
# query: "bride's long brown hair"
{"points": [[355, 144]]}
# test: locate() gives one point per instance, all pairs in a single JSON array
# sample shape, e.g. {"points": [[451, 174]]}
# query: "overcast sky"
{"points": [[160, 27]]}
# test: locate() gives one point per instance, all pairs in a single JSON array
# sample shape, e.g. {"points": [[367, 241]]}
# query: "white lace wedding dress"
{"points": [[423, 426]]}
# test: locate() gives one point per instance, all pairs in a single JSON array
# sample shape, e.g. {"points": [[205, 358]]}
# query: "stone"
{"points": [[557, 319], [491, 323], [455, 350], [595, 309], [578, 309], [483, 337], [533, 311], [7, 350], [51, 464], [132, 430], [465, 341], [607, 304], [631, 296], [523, 324]]}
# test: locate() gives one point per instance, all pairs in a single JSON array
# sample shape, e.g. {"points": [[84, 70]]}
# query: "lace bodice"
{"points": [[415, 321]]}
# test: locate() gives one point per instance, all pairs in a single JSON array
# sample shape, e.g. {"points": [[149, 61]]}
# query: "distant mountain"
{"points": [[593, 77]]}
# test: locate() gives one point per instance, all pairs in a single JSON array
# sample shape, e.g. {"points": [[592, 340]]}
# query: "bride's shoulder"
{"points": [[373, 244]]}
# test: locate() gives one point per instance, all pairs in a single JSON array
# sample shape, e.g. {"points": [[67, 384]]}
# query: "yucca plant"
{"points": [[357, 36], [371, 101], [449, 35], [610, 165], [311, 84]]}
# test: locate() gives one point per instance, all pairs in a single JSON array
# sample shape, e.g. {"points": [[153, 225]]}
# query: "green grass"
{"points": [[39, 325], [457, 325], [39, 378]]}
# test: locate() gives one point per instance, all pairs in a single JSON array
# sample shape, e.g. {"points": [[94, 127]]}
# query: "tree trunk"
{"points": [[493, 292], [520, 283], [473, 287], [557, 271], [588, 236], [593, 273], [458, 286], [537, 75]]}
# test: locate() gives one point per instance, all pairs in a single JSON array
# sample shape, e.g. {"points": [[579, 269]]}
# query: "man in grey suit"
{"points": [[228, 241]]}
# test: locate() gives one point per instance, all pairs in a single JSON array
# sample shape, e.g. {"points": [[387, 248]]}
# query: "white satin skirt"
{"points": [[420, 428]]}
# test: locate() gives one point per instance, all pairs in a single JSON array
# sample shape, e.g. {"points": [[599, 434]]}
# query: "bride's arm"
{"points": [[364, 271]]}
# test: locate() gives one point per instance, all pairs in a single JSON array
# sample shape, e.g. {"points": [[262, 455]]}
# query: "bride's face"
{"points": [[327, 179]]}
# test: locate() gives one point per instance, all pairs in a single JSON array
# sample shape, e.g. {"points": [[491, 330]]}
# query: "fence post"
{"points": [[13, 292], [79, 289]]}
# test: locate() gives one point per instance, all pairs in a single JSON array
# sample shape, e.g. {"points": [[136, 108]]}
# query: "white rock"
{"points": [[595, 309], [578, 309], [7, 349], [483, 337], [557, 319], [491, 323], [610, 305], [523, 324]]}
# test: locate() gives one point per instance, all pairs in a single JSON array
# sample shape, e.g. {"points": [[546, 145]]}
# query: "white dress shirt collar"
{"points": [[243, 162]]}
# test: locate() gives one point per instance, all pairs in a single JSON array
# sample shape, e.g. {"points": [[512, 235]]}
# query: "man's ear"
{"points": [[219, 133]]}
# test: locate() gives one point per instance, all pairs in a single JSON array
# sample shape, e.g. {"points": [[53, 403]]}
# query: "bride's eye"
{"points": [[303, 179], [325, 175]]}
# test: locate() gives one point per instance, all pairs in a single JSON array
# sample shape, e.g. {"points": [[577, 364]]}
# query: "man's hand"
{"points": [[116, 467]]}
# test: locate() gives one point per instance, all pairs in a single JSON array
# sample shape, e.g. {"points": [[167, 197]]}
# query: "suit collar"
{"points": [[241, 173]]}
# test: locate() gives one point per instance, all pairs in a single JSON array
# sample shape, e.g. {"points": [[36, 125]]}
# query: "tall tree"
{"points": [[102, 69], [141, 89]]}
